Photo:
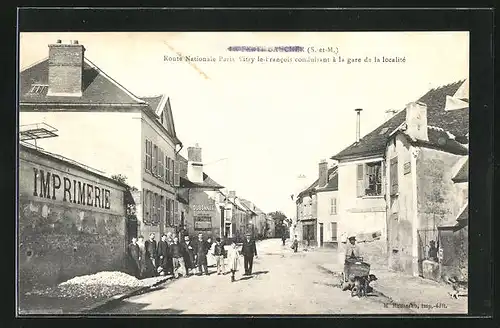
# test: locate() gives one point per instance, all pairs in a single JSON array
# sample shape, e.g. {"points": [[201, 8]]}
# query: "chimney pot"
{"points": [[358, 123], [75, 41], [59, 41]]}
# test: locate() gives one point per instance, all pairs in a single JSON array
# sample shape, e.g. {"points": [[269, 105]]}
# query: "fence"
{"points": [[425, 236]]}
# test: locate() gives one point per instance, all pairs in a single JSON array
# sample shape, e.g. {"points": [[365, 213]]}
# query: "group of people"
{"points": [[169, 256]]}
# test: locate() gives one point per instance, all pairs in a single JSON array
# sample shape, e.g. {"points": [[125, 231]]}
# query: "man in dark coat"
{"points": [[189, 255], [202, 249], [152, 253], [249, 250], [134, 256], [163, 255]]}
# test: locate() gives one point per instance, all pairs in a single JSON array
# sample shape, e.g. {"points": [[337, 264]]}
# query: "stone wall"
{"points": [[58, 238]]}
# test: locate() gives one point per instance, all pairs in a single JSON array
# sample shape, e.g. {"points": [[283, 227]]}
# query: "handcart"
{"points": [[355, 276]]}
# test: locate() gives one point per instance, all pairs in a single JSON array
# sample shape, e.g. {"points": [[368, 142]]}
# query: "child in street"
{"points": [[233, 259]]}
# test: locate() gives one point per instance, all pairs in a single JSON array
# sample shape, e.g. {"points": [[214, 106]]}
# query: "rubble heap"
{"points": [[100, 285]]}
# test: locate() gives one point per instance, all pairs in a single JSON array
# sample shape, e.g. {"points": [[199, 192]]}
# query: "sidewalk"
{"points": [[420, 295], [43, 305]]}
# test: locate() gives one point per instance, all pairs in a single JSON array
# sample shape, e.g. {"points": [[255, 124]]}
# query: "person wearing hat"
{"points": [[189, 258], [248, 250], [352, 250]]}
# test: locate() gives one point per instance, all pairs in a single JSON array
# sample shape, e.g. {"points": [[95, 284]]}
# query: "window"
{"points": [[333, 206], [176, 174], [39, 89], [168, 216], [153, 207], [394, 175], [172, 173], [161, 161], [162, 210], [167, 169], [145, 206], [369, 179], [334, 231], [176, 212], [155, 160], [148, 155]]}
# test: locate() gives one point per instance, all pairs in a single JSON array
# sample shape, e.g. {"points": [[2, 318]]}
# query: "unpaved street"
{"points": [[282, 283]]}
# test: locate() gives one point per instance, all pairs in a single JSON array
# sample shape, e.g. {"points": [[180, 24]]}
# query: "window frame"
{"points": [[363, 179], [149, 157], [333, 206]]}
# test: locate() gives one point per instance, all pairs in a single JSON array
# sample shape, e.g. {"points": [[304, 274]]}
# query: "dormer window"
{"points": [[38, 89]]}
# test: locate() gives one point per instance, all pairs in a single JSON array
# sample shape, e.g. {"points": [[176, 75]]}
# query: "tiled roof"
{"points": [[208, 183], [98, 87], [464, 215], [152, 101], [441, 140], [332, 184], [456, 122], [462, 174]]}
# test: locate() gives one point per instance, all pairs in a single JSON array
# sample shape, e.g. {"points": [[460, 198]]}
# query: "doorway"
{"points": [[321, 235]]}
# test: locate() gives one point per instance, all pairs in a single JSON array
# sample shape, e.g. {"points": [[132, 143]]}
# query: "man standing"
{"points": [[201, 255], [170, 268], [188, 255], [152, 253], [219, 253], [176, 251], [283, 237], [162, 255], [249, 250], [134, 256]]}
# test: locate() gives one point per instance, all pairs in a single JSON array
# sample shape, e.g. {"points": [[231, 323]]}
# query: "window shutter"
{"points": [[360, 186], [167, 212], [176, 212], [162, 210], [171, 171], [172, 212], [394, 175], [383, 180], [176, 174], [144, 206]]}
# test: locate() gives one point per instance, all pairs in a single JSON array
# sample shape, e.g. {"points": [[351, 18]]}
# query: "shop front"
{"points": [[309, 232]]}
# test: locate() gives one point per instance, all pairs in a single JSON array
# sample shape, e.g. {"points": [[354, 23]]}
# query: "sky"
{"points": [[262, 125]]}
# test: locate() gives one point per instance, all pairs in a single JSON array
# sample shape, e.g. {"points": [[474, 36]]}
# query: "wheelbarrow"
{"points": [[356, 276]]}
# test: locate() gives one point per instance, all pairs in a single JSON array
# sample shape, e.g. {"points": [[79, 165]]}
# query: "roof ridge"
{"points": [[34, 64], [128, 92]]}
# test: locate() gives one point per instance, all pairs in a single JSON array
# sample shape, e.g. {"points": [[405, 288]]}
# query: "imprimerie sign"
{"points": [[49, 185]]}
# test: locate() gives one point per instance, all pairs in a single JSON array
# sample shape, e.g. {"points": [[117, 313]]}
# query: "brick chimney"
{"points": [[323, 173], [66, 69], [416, 121], [195, 166]]}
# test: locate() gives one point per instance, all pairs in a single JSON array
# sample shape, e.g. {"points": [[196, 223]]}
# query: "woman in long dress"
{"points": [[210, 256], [233, 256]]}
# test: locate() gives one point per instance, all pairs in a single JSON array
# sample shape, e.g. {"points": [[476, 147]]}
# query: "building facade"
{"points": [[72, 221], [102, 124], [317, 209], [363, 169], [421, 194]]}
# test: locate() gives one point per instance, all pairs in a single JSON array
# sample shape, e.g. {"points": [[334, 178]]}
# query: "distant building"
{"points": [[199, 195], [317, 214]]}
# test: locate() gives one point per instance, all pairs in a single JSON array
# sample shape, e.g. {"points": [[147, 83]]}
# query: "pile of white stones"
{"points": [[100, 285]]}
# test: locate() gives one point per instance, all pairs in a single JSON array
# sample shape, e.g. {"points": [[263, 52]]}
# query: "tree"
{"points": [[280, 222], [123, 179]]}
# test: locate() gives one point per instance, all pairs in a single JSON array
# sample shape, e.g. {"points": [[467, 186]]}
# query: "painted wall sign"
{"points": [[204, 207], [407, 168], [202, 222], [53, 186]]}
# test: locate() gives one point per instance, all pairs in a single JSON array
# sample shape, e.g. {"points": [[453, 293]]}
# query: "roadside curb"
{"points": [[94, 307]]}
